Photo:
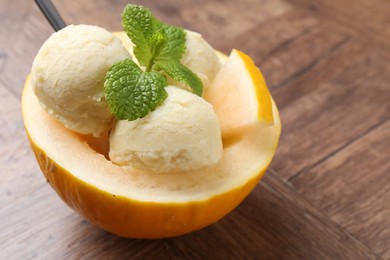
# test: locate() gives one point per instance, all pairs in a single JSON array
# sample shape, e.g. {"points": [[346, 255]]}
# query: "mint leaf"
{"points": [[176, 41], [142, 27], [132, 93], [181, 73], [139, 26]]}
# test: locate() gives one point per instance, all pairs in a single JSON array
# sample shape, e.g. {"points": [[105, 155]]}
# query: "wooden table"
{"points": [[327, 192]]}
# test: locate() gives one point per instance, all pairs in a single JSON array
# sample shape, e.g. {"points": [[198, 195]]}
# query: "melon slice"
{"points": [[239, 95], [140, 204]]}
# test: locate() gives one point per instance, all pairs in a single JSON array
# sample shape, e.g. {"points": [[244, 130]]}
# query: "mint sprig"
{"points": [[131, 92]]}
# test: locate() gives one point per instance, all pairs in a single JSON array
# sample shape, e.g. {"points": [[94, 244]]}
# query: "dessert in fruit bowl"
{"points": [[150, 132]]}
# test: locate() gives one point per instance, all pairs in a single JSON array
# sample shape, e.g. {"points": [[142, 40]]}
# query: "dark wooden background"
{"points": [[327, 192]]}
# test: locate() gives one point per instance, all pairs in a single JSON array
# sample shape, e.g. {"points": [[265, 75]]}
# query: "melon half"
{"points": [[139, 204]]}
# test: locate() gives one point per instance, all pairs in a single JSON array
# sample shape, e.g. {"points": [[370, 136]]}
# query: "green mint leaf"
{"points": [[181, 73], [176, 41], [138, 24], [142, 27], [132, 93]]}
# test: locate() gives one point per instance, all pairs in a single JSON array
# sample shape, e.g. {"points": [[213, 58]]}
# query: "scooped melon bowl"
{"points": [[140, 204]]}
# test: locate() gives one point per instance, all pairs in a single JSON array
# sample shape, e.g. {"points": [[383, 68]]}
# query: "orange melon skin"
{"points": [[130, 218]]}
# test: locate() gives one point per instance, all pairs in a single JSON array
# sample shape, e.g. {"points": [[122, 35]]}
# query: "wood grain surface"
{"points": [[327, 192]]}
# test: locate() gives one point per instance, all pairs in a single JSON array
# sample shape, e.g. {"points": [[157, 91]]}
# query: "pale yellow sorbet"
{"points": [[200, 57], [68, 76], [182, 134]]}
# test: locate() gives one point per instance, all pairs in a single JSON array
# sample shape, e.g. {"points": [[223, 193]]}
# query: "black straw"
{"points": [[51, 14]]}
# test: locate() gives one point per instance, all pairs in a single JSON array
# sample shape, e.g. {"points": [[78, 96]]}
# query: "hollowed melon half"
{"points": [[139, 204]]}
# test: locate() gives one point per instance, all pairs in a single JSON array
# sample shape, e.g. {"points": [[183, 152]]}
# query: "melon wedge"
{"points": [[239, 95], [139, 204]]}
